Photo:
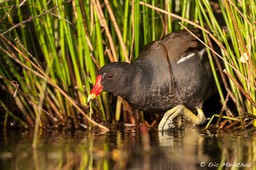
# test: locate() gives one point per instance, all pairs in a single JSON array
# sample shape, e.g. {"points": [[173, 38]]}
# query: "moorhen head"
{"points": [[170, 75]]}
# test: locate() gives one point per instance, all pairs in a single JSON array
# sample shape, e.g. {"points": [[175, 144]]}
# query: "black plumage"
{"points": [[168, 72]]}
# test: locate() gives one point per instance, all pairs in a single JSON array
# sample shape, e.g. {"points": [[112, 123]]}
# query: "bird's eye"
{"points": [[110, 76]]}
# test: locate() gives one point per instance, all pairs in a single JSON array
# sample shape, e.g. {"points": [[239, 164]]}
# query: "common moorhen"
{"points": [[171, 75]]}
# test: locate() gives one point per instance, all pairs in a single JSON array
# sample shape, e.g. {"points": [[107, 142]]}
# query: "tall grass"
{"points": [[239, 53], [51, 51]]}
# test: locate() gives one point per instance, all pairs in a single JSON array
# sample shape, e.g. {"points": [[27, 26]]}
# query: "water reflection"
{"points": [[130, 149]]}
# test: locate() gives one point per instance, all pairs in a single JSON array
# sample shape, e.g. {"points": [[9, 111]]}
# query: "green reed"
{"points": [[71, 40], [238, 56]]}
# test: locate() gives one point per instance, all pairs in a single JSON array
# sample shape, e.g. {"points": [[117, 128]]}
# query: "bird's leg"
{"points": [[168, 117]]}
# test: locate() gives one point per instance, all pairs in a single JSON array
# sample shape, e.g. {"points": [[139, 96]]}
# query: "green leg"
{"points": [[178, 110]]}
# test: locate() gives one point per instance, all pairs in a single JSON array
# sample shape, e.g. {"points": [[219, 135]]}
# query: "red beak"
{"points": [[96, 90]]}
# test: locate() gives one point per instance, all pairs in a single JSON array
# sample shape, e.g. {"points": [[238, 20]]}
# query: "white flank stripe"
{"points": [[185, 58]]}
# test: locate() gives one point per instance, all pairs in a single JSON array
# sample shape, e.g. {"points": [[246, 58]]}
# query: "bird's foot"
{"points": [[178, 110]]}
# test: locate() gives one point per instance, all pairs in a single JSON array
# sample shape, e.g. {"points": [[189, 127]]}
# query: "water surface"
{"points": [[131, 148]]}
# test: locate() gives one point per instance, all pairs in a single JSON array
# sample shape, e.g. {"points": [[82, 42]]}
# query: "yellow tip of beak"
{"points": [[91, 97]]}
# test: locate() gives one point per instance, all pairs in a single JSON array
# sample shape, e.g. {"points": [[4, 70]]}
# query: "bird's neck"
{"points": [[125, 81], [136, 84], [131, 83]]}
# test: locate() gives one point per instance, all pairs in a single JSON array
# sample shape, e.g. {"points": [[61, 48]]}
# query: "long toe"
{"points": [[167, 120]]}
